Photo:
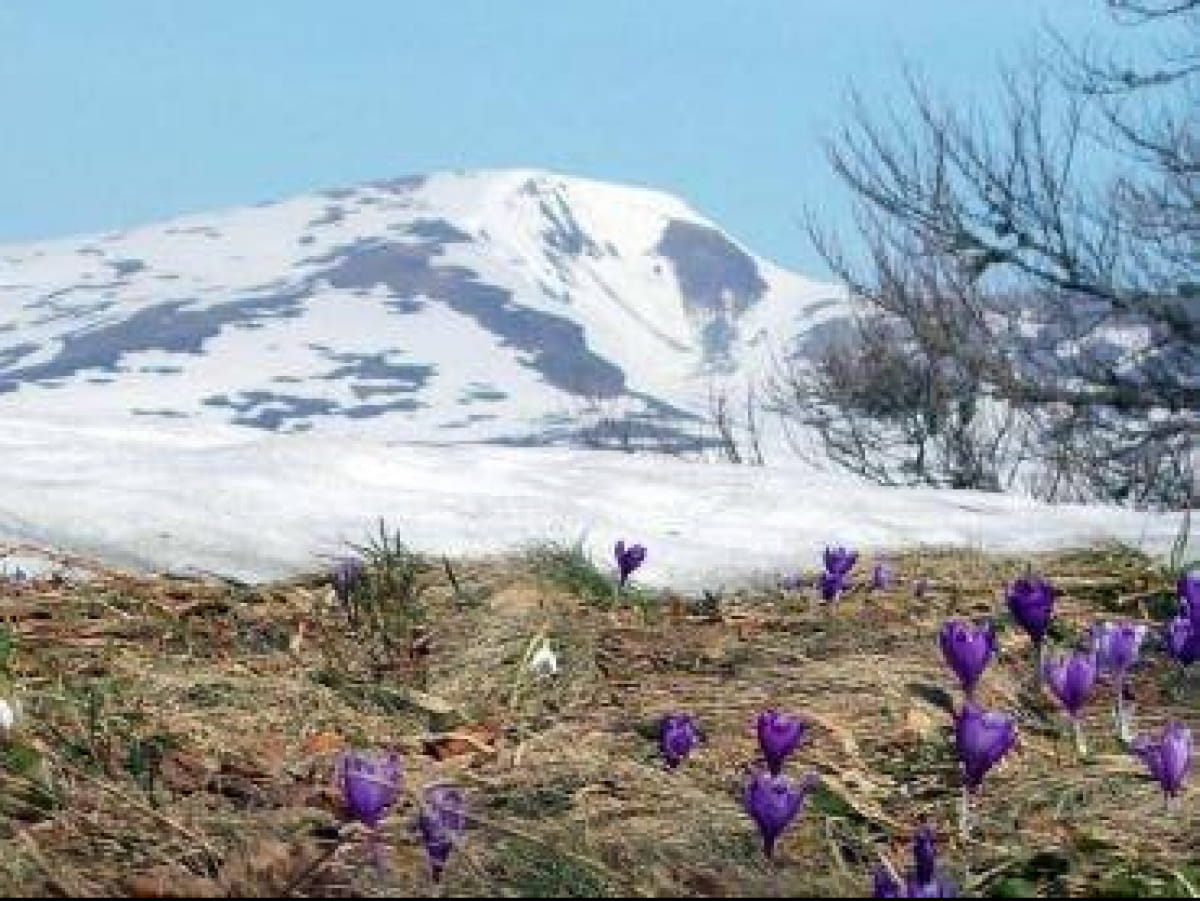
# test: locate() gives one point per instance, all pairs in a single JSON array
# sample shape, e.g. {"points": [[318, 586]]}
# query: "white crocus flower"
{"points": [[544, 662], [10, 713]]}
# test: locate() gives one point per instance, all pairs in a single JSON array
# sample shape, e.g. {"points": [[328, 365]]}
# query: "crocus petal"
{"points": [[10, 713], [938, 887], [1189, 595], [882, 576], [924, 855], [544, 662], [839, 561], [884, 884], [832, 585]]}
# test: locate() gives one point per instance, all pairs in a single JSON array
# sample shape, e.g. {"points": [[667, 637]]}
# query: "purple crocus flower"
{"points": [[832, 585], [968, 650], [1031, 600], [923, 881], [773, 802], [839, 560], [982, 738], [628, 559], [1182, 640], [677, 735], [346, 574], [369, 782], [884, 884], [1116, 645], [1169, 757], [1071, 679], [924, 856], [883, 576], [778, 736], [442, 823], [1189, 595]]}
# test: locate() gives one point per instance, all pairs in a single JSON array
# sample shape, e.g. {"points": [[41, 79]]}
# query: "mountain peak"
{"points": [[496, 305]]}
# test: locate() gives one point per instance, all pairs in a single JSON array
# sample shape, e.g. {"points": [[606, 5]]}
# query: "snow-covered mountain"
{"points": [[513, 306], [148, 380]]}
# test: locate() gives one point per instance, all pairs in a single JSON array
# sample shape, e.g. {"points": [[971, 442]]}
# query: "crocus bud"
{"points": [[1031, 600], [1169, 757], [677, 735], [345, 576], [778, 736], [773, 802], [1182, 640], [442, 822], [967, 650], [882, 576], [982, 738], [543, 662], [1189, 595], [1071, 679], [370, 782], [1117, 645], [628, 559]]}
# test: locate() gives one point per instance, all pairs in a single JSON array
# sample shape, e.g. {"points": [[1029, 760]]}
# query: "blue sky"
{"points": [[128, 111]]}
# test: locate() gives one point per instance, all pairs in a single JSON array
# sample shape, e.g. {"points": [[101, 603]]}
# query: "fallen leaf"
{"points": [[267, 868], [472, 738], [183, 771], [324, 743], [171, 882], [920, 725]]}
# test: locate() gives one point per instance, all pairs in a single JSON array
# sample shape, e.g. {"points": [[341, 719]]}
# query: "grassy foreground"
{"points": [[178, 735]]}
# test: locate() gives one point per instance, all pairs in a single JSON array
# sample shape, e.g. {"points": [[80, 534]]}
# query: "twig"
{"points": [[321, 859]]}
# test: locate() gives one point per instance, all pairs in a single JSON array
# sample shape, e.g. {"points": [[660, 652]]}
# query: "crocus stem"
{"points": [[1124, 714], [1080, 741], [376, 848], [964, 813], [1119, 712]]}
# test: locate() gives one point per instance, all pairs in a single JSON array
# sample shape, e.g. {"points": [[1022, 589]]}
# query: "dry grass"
{"points": [[179, 738]]}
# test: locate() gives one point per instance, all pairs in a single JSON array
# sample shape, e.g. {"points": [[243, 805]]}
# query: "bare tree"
{"points": [[1002, 276], [899, 400], [736, 443]]}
